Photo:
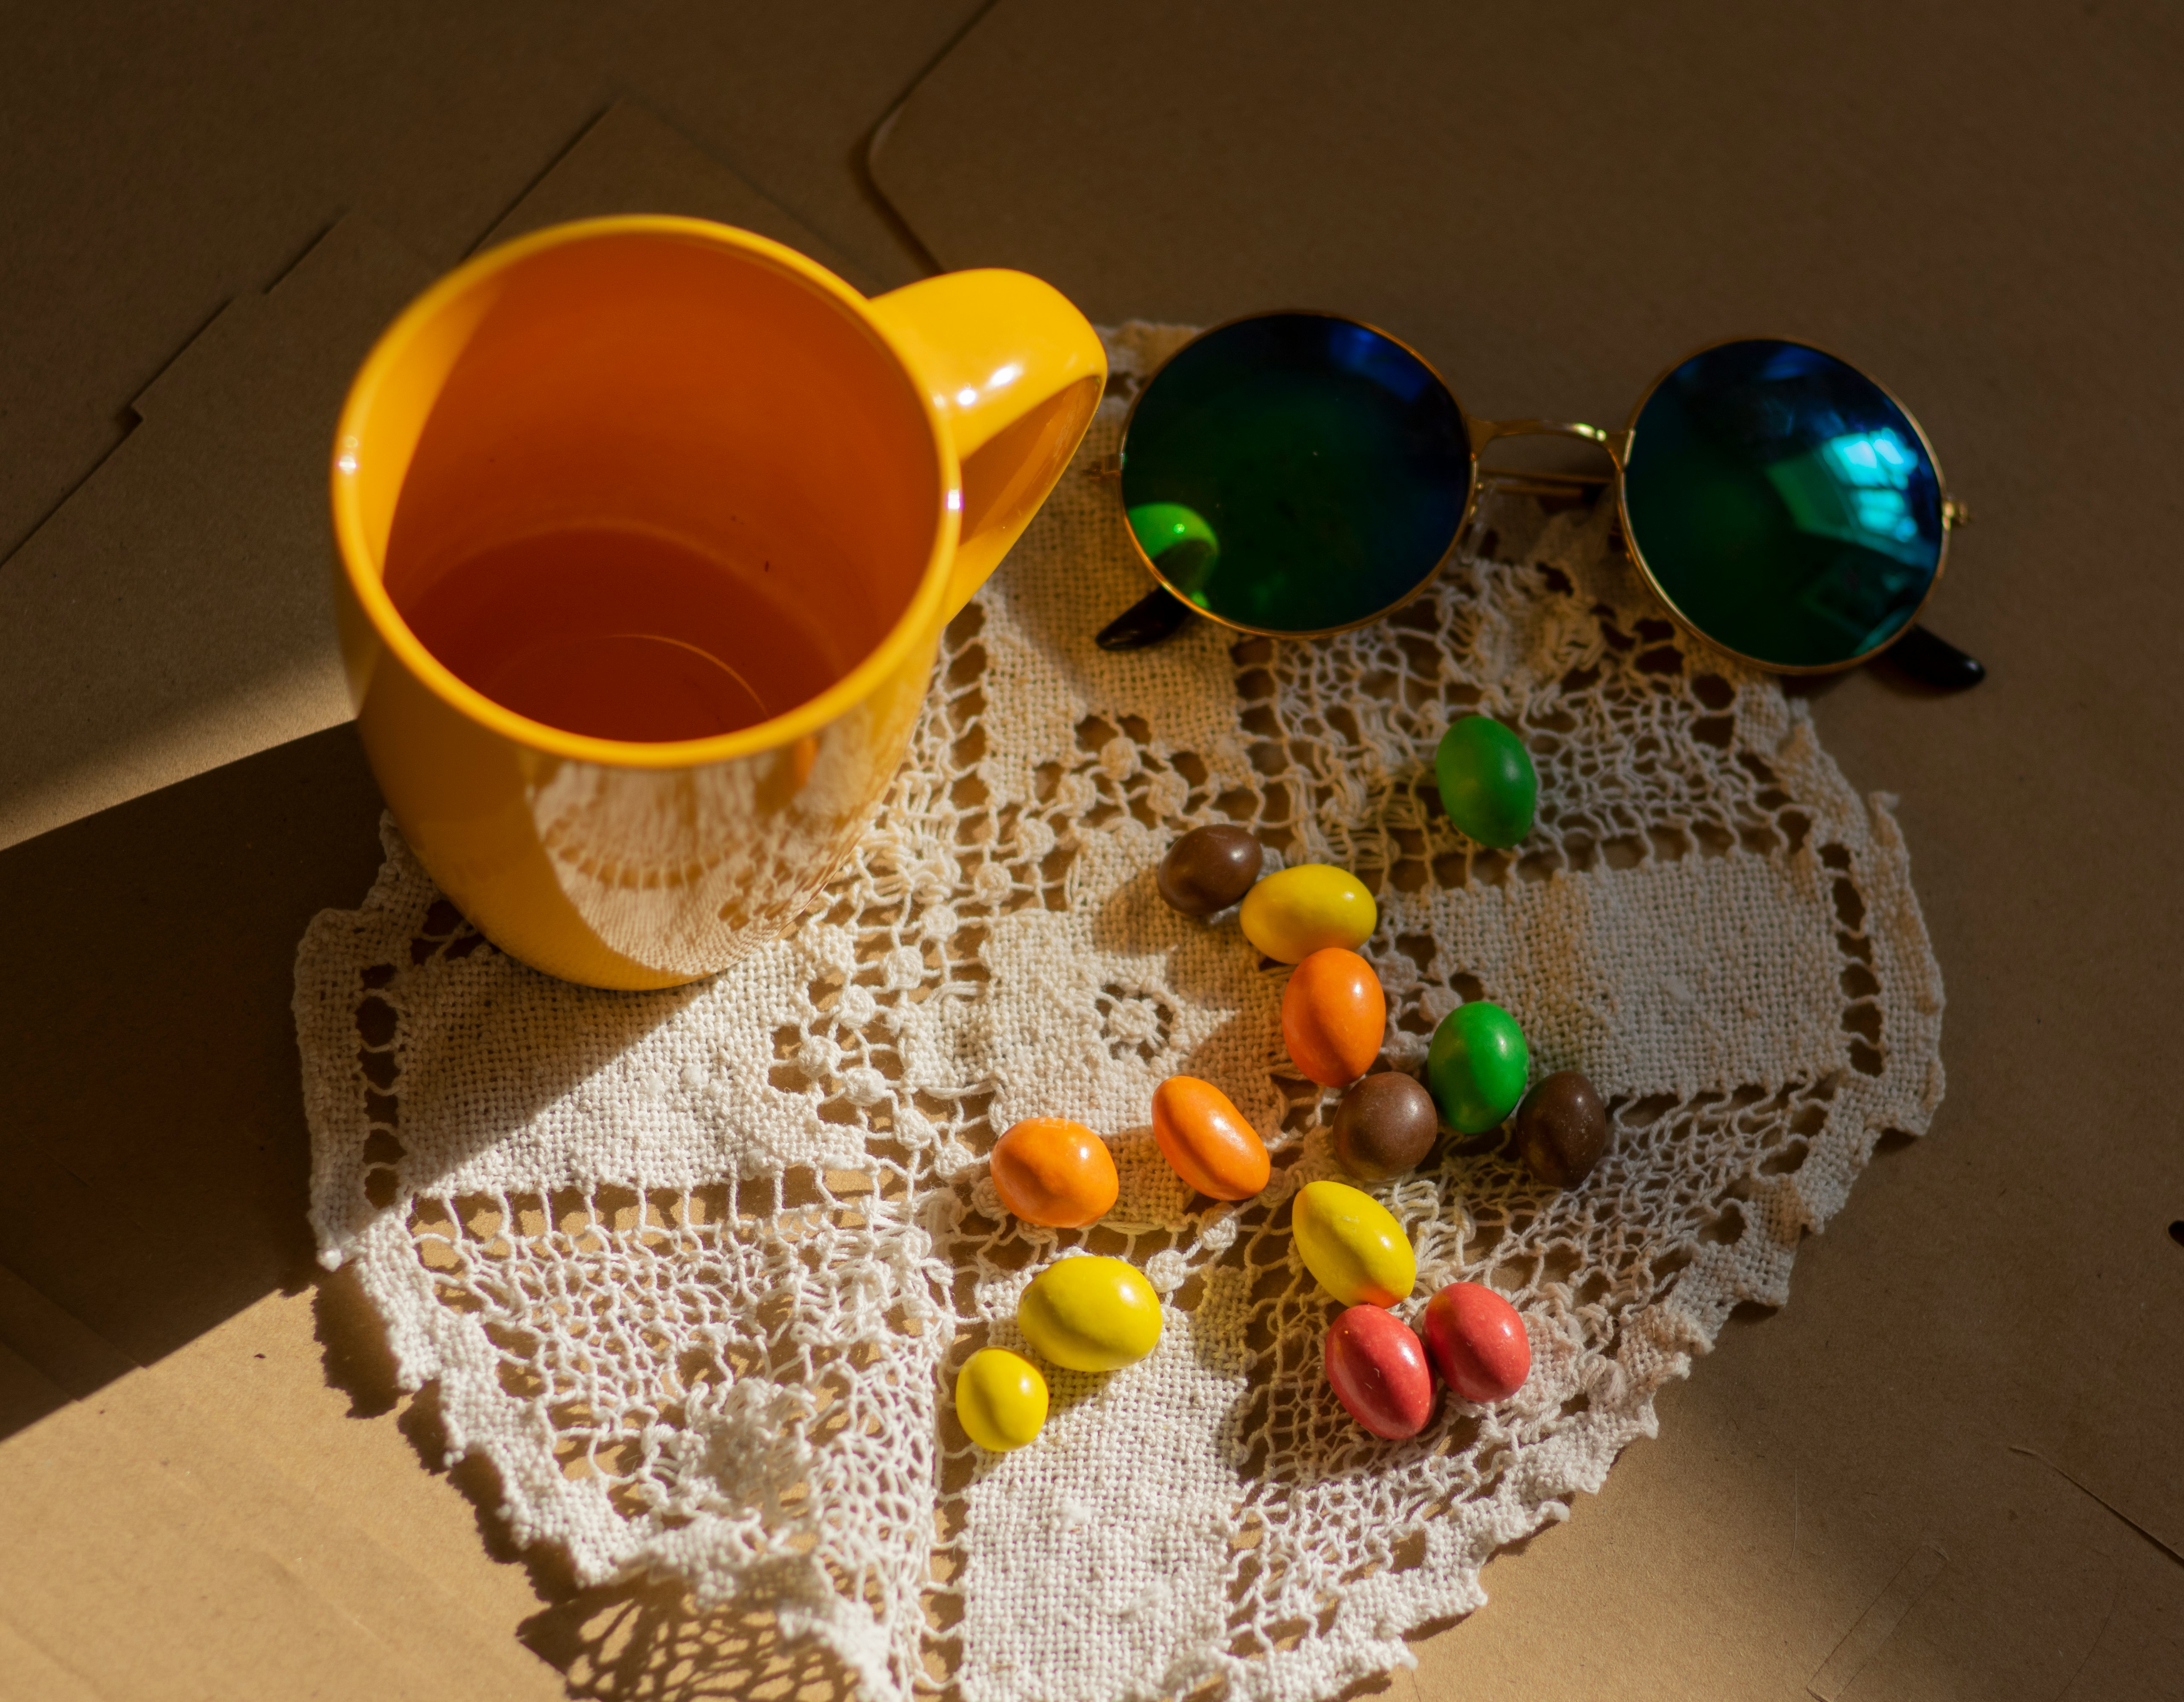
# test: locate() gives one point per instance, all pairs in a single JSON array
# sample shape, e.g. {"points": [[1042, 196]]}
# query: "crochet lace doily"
{"points": [[695, 1269]]}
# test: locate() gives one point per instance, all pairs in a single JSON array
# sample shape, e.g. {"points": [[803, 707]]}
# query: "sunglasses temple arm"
{"points": [[1159, 615], [1486, 431], [1557, 484], [1932, 660], [1156, 616], [1514, 484], [1922, 655]]}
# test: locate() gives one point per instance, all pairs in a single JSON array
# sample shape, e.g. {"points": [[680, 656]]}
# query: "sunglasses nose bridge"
{"points": [[1486, 431]]}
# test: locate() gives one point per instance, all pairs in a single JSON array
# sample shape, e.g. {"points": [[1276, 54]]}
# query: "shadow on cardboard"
{"points": [[154, 1143]]}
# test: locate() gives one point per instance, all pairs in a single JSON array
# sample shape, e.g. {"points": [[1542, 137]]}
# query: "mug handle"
{"points": [[1016, 371]]}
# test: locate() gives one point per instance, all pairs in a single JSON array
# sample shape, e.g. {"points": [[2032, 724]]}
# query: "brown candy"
{"points": [[1384, 1126], [1208, 869], [1561, 1129]]}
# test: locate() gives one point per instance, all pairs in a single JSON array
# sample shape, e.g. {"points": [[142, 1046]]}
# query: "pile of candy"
{"points": [[1093, 1314]]}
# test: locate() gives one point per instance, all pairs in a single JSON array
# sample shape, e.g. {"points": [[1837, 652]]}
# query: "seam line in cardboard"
{"points": [[1873, 1628], [2096, 1495]]}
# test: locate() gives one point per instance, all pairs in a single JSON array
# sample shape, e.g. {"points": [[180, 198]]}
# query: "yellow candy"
{"points": [[1349, 1241], [1291, 915], [1001, 1399], [1090, 1314]]}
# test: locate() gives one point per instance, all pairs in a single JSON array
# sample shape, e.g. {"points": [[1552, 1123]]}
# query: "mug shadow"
{"points": [[506, 1044], [520, 1084], [158, 1163]]}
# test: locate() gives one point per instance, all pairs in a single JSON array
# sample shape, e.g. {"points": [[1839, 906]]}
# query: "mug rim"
{"points": [[366, 580]]}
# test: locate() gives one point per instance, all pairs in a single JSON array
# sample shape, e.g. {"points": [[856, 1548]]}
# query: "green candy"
{"points": [[1488, 785], [1477, 1066]]}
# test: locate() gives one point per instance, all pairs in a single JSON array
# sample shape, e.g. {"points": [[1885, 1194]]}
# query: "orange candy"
{"points": [[1333, 1016], [1206, 1140], [1050, 1170]]}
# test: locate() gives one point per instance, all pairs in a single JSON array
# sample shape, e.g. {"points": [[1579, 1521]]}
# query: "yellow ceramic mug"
{"points": [[647, 528]]}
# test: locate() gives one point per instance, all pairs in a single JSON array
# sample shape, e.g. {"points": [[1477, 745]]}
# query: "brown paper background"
{"points": [[209, 1486]]}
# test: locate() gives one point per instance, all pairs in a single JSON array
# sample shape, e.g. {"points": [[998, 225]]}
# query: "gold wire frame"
{"points": [[1953, 515], [1618, 444]]}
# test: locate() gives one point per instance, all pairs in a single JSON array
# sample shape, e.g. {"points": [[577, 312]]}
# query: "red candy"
{"points": [[1378, 1367], [1477, 1342]]}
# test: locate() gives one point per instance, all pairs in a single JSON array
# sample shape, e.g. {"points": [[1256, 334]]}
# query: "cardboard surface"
{"points": [[1552, 205], [173, 615], [162, 161], [1928, 1476], [252, 193]]}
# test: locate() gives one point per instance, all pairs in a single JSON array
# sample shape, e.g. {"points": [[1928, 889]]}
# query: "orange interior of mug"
{"points": [[644, 484]]}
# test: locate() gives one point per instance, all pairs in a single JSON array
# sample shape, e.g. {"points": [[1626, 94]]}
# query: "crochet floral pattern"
{"points": [[695, 1269]]}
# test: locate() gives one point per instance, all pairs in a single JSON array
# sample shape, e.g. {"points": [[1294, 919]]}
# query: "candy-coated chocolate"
{"points": [[1050, 1170], [1384, 1126], [1090, 1314], [1000, 1400], [1561, 1129], [1206, 1140], [1208, 869], [1477, 1066], [1333, 1016], [1378, 1367], [1478, 1343], [1294, 912], [1352, 1244], [1488, 785]]}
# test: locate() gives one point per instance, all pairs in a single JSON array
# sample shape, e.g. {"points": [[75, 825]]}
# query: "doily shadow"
{"points": [[644, 1642], [640, 1640]]}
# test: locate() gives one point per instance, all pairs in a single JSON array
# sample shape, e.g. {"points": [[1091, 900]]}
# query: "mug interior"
{"points": [[658, 486]]}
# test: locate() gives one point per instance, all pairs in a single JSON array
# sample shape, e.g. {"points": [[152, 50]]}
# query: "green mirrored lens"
{"points": [[1296, 473], [1783, 503]]}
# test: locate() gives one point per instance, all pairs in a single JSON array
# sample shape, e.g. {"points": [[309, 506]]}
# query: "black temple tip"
{"points": [[1934, 661], [1144, 623]]}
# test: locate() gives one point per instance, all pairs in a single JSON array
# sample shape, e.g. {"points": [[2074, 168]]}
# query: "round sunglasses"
{"points": [[1298, 474]]}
